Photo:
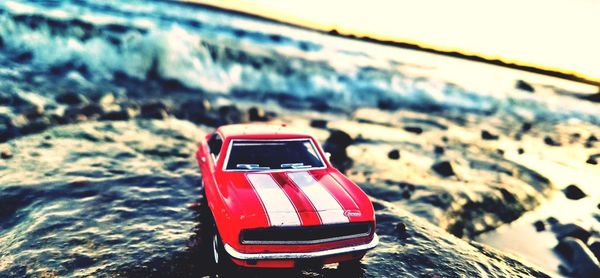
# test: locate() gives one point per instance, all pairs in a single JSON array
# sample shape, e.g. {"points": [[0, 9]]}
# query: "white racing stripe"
{"points": [[278, 207], [330, 211]]}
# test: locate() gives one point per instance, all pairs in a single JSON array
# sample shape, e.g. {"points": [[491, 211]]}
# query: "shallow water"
{"points": [[517, 236]]}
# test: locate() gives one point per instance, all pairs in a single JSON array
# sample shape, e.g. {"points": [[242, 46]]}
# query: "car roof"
{"points": [[260, 131]]}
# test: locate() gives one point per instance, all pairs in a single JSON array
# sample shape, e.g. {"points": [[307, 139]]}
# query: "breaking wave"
{"points": [[223, 53]]}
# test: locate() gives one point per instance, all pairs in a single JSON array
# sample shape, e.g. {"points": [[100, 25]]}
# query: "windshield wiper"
{"points": [[252, 167], [299, 165]]}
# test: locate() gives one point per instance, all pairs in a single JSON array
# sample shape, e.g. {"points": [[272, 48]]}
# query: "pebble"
{"points": [[573, 192], [522, 85], [593, 159], [413, 129], [394, 154], [486, 135], [539, 225], [317, 123], [551, 142], [444, 168], [6, 154]]}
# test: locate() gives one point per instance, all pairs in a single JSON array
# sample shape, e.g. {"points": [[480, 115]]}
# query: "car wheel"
{"points": [[216, 249], [223, 265], [351, 265]]}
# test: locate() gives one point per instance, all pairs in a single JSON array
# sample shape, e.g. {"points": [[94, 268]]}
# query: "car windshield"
{"points": [[260, 155]]}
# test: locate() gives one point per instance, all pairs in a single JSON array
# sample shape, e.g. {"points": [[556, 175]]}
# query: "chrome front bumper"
{"points": [[301, 255]]}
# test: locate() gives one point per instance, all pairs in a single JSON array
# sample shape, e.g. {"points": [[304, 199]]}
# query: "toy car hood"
{"points": [[294, 198]]}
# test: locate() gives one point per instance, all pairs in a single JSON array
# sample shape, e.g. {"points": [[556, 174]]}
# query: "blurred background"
{"points": [[473, 126]]}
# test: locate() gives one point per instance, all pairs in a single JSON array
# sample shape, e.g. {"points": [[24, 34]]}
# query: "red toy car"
{"points": [[278, 203]]}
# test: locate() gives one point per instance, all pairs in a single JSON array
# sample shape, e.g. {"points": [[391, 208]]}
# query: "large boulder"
{"points": [[582, 261], [571, 230]]}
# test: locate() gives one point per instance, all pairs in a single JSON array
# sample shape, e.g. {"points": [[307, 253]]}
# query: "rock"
{"points": [[230, 114], [539, 225], [32, 110], [526, 127], [550, 142], [257, 114], [571, 230], [92, 110], [154, 110], [438, 150], [394, 154], [444, 168], [336, 144], [552, 220], [581, 259], [195, 110], [317, 123], [7, 128], [593, 159], [595, 247], [593, 97], [413, 129], [589, 142], [6, 154], [119, 115], [573, 192], [522, 85], [520, 151], [12, 100], [486, 135], [35, 126], [400, 228], [71, 98]]}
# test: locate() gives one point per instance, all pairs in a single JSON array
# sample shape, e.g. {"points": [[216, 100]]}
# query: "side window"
{"points": [[214, 145]]}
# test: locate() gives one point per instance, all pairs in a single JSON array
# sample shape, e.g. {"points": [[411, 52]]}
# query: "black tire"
{"points": [[351, 265], [221, 261]]}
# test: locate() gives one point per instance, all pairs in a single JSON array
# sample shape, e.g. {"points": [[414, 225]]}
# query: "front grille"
{"points": [[306, 234]]}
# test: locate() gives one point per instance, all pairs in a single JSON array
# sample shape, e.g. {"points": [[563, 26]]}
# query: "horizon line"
{"points": [[338, 31]]}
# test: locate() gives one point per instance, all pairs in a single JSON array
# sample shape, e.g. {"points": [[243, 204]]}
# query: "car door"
{"points": [[208, 155]]}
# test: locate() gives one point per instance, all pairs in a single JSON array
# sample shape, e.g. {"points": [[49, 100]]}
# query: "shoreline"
{"points": [[411, 46]]}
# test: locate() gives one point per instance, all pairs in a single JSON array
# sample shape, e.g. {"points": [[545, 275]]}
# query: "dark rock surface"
{"points": [[551, 142], [593, 159], [107, 218], [394, 154], [336, 145], [582, 260], [71, 98], [539, 225], [486, 135], [571, 230], [573, 192], [414, 129], [318, 123], [444, 168], [524, 86]]}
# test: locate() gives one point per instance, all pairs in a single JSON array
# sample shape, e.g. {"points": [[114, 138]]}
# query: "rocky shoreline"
{"points": [[447, 169]]}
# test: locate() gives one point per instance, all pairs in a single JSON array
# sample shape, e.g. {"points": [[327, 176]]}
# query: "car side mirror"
{"points": [[328, 156]]}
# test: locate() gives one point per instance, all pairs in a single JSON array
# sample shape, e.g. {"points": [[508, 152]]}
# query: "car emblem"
{"points": [[352, 213]]}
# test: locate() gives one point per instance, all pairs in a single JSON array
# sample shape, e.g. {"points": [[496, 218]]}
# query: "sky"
{"points": [[554, 34]]}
